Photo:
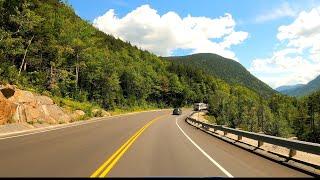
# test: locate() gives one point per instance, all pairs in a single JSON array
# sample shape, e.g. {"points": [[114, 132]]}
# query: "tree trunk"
{"points": [[25, 55], [25, 66], [262, 122], [51, 73], [52, 77], [312, 121], [77, 71]]}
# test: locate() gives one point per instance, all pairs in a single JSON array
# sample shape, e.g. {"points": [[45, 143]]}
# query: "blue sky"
{"points": [[258, 20]]}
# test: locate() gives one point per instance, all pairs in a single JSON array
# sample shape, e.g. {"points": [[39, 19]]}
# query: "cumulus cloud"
{"points": [[285, 10], [304, 32], [299, 60], [285, 67], [162, 34]]}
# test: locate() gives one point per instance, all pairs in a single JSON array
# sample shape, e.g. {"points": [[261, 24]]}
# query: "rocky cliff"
{"points": [[23, 106]]}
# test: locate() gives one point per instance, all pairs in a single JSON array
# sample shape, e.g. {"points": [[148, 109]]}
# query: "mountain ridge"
{"points": [[303, 89], [226, 69], [288, 87]]}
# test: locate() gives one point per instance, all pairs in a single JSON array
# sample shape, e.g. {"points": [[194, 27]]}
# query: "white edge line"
{"points": [[204, 153], [57, 127]]}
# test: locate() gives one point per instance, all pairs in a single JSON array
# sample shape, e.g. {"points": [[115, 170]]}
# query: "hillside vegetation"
{"points": [[44, 46], [302, 90], [225, 69]]}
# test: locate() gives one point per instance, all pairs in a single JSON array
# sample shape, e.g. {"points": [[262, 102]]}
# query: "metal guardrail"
{"points": [[293, 145]]}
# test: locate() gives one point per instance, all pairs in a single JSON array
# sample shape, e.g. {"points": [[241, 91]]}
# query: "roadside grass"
{"points": [[124, 110], [40, 121], [31, 122], [70, 106], [61, 122], [210, 119]]}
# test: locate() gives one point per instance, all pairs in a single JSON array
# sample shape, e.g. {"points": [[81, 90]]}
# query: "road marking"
{"points": [[106, 167], [58, 127], [203, 152], [102, 167]]}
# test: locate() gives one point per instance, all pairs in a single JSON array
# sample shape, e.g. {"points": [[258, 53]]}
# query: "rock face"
{"points": [[100, 113], [24, 106], [78, 114], [7, 109]]}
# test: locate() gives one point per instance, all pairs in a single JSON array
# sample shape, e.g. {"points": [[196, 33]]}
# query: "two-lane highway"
{"points": [[139, 145]]}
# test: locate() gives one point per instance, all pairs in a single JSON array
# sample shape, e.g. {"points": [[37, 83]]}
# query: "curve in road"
{"points": [[147, 144]]}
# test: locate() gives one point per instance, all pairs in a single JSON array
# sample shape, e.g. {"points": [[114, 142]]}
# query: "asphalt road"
{"points": [[139, 145]]}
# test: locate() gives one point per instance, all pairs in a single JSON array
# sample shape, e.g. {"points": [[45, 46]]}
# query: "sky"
{"points": [[278, 41]]}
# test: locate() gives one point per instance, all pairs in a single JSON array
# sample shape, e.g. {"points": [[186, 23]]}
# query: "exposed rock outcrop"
{"points": [[24, 106], [100, 113], [7, 109], [77, 114]]}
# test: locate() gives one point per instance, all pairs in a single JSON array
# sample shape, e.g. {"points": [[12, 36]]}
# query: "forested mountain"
{"points": [[225, 69], [283, 89], [302, 90], [44, 46]]}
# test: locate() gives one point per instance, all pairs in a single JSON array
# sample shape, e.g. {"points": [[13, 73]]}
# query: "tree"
{"points": [[25, 22], [54, 50]]}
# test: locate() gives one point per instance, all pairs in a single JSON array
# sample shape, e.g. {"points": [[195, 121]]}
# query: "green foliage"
{"points": [[45, 47], [73, 105], [278, 116], [225, 69]]}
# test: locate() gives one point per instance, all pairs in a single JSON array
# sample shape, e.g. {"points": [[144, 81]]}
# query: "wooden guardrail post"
{"points": [[239, 137], [214, 130], [224, 132], [292, 152], [260, 143]]}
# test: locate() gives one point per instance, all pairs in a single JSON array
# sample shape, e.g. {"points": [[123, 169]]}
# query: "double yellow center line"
{"points": [[106, 167]]}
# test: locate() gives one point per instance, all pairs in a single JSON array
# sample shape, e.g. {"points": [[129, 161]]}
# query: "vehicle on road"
{"points": [[177, 111], [200, 106]]}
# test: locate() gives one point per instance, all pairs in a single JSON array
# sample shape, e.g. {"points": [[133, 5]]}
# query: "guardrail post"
{"points": [[292, 152], [204, 126], [224, 132], [214, 130], [293, 145], [260, 143], [239, 137]]}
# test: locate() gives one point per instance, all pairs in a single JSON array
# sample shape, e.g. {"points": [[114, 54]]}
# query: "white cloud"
{"points": [[299, 61], [285, 67], [304, 32], [285, 10], [162, 35]]}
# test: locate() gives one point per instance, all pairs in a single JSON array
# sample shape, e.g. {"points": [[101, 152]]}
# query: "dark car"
{"points": [[177, 111]]}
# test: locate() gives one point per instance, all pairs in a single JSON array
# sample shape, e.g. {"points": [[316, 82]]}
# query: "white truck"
{"points": [[200, 106]]}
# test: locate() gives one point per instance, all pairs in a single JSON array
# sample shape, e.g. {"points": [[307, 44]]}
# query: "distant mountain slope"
{"points": [[226, 69], [303, 90], [284, 89]]}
